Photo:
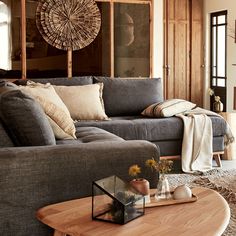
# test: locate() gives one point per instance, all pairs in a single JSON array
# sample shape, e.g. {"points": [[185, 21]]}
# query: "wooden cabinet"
{"points": [[123, 47], [183, 75]]}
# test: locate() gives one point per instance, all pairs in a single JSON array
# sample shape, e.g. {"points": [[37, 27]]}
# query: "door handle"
{"points": [[167, 67]]}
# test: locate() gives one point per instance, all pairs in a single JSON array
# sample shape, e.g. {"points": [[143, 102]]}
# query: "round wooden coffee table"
{"points": [[208, 216]]}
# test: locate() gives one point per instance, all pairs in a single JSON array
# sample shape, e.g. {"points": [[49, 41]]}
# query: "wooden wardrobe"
{"points": [[183, 54]]}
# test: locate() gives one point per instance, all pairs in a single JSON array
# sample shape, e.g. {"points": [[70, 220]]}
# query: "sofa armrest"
{"points": [[32, 177]]}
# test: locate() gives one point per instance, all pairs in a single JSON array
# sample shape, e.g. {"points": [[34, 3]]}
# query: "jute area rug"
{"points": [[222, 181]]}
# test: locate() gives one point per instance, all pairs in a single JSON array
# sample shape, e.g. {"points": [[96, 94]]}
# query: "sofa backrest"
{"points": [[122, 96], [129, 96], [81, 80]]}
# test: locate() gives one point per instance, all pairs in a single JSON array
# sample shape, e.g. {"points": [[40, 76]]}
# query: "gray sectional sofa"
{"points": [[35, 176], [125, 99]]}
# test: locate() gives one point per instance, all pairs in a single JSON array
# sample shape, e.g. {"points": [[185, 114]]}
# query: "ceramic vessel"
{"points": [[182, 192], [218, 106], [143, 186]]}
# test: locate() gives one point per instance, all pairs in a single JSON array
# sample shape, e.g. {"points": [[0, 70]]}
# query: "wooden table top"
{"points": [[208, 216]]}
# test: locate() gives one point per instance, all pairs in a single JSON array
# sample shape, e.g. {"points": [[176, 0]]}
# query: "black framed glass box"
{"points": [[114, 200]]}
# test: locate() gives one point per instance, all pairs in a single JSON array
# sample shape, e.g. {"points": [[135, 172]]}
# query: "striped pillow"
{"points": [[168, 108]]}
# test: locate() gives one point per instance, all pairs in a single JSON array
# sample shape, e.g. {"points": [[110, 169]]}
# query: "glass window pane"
{"points": [[214, 46], [221, 51], [214, 20], [42, 58], [95, 58], [221, 19], [214, 82], [221, 82], [5, 52], [132, 39], [214, 71]]}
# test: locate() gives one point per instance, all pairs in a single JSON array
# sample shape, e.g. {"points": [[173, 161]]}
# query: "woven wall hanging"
{"points": [[68, 24]]}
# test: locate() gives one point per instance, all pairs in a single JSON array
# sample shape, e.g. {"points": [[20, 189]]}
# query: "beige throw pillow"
{"points": [[83, 102], [168, 108], [57, 112]]}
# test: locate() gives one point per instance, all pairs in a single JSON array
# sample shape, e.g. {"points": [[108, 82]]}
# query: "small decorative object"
{"points": [[163, 167], [182, 192], [116, 201], [140, 184], [68, 25], [217, 105]]}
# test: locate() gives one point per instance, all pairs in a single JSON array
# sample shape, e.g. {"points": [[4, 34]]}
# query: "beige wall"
{"points": [[158, 39], [213, 6]]}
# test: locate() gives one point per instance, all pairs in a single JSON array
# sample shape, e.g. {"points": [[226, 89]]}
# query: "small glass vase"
{"points": [[163, 189]]}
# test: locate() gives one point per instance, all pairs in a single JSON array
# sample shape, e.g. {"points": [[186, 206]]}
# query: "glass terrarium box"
{"points": [[114, 200]]}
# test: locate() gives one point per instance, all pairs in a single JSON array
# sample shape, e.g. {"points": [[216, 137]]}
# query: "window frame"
{"points": [[216, 25]]}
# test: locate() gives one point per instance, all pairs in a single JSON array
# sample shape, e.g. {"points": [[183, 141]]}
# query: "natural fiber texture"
{"points": [[68, 24], [224, 182]]}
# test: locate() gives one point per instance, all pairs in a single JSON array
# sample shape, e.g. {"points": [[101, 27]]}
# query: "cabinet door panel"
{"points": [[197, 59], [183, 50], [132, 40]]}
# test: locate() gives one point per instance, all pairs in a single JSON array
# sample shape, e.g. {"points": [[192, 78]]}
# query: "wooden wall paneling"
{"points": [[23, 40], [165, 51], [151, 5], [112, 49], [197, 52]]}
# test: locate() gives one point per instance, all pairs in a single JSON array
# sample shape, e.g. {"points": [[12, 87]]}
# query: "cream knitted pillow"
{"points": [[57, 112], [83, 102]]}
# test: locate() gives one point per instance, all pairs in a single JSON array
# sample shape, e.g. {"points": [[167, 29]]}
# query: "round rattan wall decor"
{"points": [[68, 24]]}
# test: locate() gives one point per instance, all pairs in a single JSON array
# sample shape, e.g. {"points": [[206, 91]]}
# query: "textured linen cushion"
{"points": [[55, 109], [25, 119], [129, 96], [168, 108], [83, 102]]}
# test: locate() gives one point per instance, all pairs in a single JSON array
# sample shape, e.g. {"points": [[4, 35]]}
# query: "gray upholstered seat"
{"points": [[151, 129], [91, 134]]}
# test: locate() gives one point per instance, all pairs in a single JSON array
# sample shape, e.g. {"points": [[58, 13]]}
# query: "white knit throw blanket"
{"points": [[197, 140]]}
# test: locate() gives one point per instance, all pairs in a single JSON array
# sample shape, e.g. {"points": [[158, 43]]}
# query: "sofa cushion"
{"points": [[129, 96], [83, 102], [5, 140], [91, 134], [168, 108], [151, 129], [25, 119], [55, 109], [82, 80]]}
